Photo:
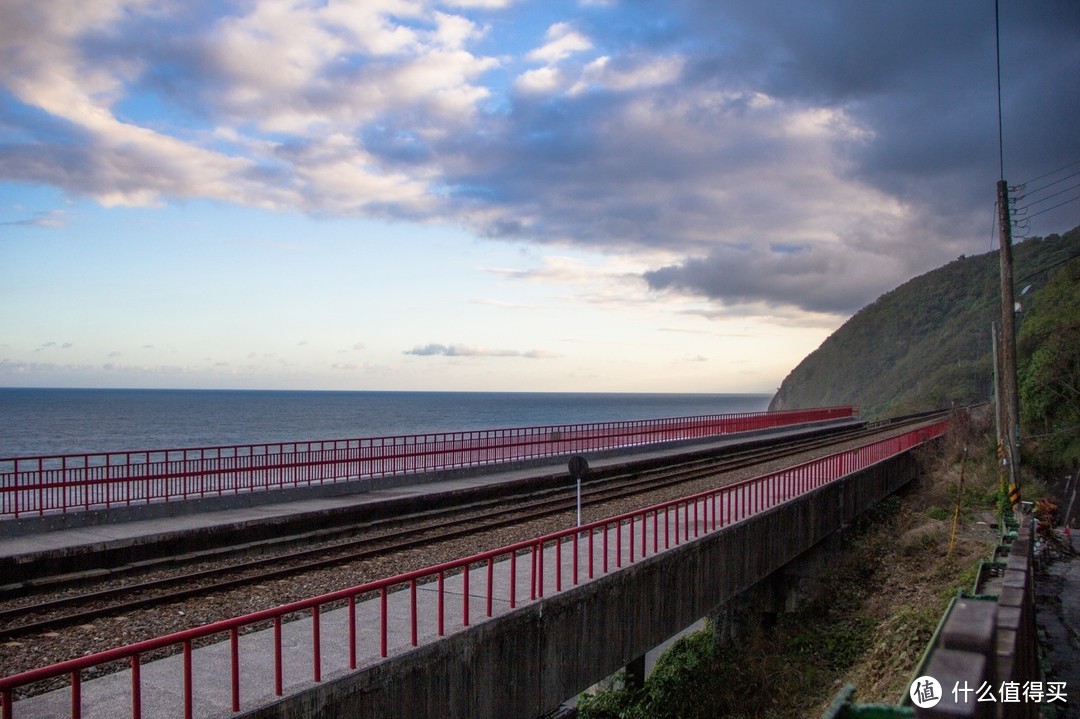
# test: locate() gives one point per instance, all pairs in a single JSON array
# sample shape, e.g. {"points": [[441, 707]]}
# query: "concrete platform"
{"points": [[162, 684], [128, 537]]}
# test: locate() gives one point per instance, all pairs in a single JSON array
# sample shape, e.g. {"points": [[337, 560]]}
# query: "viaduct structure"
{"points": [[528, 661], [514, 632]]}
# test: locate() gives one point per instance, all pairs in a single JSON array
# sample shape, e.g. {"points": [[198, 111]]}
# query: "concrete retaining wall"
{"points": [[529, 661]]}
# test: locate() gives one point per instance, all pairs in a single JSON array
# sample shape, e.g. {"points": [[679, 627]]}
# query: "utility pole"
{"points": [[1010, 398]]}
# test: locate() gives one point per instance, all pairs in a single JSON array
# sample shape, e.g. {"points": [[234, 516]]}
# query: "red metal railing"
{"points": [[62, 483], [671, 523]]}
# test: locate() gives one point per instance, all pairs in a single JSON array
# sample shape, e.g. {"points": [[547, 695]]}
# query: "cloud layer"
{"points": [[457, 350], [777, 154]]}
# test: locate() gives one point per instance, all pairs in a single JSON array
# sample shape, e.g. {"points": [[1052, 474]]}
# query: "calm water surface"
{"points": [[67, 421]]}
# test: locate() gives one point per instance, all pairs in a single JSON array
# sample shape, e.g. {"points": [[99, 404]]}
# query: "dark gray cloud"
{"points": [[920, 79], [804, 277], [921, 76]]}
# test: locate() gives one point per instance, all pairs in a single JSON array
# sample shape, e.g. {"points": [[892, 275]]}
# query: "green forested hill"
{"points": [[926, 344]]}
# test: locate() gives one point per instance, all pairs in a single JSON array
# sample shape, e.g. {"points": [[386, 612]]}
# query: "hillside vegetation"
{"points": [[1048, 371], [927, 344]]}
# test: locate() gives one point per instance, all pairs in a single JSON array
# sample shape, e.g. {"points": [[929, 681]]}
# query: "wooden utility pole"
{"points": [[1009, 397]]}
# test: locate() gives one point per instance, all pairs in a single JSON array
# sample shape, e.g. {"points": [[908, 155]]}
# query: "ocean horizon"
{"points": [[54, 421]]}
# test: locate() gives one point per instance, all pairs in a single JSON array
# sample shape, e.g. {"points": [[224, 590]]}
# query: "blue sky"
{"points": [[498, 194]]}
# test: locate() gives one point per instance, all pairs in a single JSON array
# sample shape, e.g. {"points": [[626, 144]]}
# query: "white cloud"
{"points": [[303, 69], [313, 73], [484, 4], [562, 42], [633, 74], [337, 174], [540, 81], [52, 219]]}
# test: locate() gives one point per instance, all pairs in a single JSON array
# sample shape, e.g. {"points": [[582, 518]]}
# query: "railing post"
{"points": [[316, 644], [605, 548], [442, 623], [136, 688], [540, 568], [465, 595], [644, 521], [76, 694], [189, 697], [513, 579], [591, 552], [277, 657], [532, 574], [352, 631], [234, 666], [382, 626], [558, 564], [413, 611]]}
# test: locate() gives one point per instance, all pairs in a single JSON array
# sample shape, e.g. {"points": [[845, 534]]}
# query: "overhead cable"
{"points": [[1026, 192], [1053, 172]]}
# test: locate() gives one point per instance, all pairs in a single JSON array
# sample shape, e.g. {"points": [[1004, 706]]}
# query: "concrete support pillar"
{"points": [[635, 672], [722, 621]]}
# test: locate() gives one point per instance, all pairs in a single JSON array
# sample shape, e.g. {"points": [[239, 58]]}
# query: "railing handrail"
{"points": [[36, 485], [893, 445], [398, 440]]}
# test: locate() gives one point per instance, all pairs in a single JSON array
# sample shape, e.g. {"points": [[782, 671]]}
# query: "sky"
{"points": [[504, 195]]}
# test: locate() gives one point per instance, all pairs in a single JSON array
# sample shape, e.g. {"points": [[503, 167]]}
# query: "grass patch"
{"points": [[939, 513]]}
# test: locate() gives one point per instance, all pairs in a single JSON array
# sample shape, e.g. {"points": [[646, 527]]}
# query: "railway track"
{"points": [[387, 537]]}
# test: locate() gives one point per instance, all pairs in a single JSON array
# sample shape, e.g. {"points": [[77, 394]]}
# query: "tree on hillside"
{"points": [[926, 344], [1048, 373]]}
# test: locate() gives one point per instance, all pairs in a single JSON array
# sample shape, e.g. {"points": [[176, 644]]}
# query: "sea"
{"points": [[49, 422]]}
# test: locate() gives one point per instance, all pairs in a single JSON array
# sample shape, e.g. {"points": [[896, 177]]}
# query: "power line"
{"points": [[1022, 215], [993, 228], [1041, 270], [1054, 172], [997, 48], [1052, 434], [1050, 197], [1023, 186], [1060, 204]]}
